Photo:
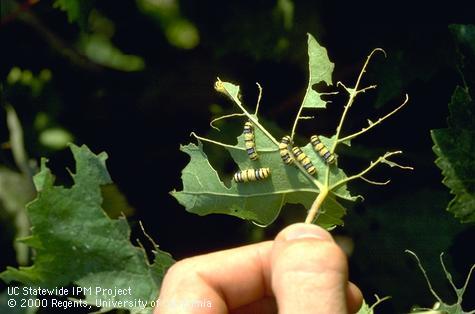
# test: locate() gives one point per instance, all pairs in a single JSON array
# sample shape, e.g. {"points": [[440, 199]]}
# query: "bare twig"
{"points": [[352, 94], [373, 124]]}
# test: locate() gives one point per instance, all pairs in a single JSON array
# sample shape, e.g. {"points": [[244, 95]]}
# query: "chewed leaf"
{"points": [[440, 305], [286, 172], [204, 193], [228, 89], [77, 243], [321, 69], [455, 148], [261, 201]]}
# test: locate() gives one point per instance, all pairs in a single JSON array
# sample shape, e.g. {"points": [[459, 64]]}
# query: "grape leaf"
{"points": [[76, 242], [321, 69], [7, 308], [261, 201], [204, 192], [455, 148]]}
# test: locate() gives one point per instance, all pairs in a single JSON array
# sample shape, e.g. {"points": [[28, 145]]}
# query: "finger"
{"points": [[354, 298], [263, 306], [227, 279], [309, 271]]}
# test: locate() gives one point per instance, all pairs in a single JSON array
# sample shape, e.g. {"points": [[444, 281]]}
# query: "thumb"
{"points": [[309, 272]]}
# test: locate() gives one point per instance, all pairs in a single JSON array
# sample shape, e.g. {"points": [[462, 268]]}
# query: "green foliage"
{"points": [[179, 31], [366, 309], [97, 45], [77, 10], [261, 201], [321, 69], [204, 193], [55, 138], [16, 188], [455, 148], [50, 134], [6, 309], [396, 222], [465, 35], [100, 49], [76, 242], [441, 306], [26, 78]]}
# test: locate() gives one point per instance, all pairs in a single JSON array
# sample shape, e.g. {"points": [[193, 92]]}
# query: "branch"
{"points": [[381, 159], [18, 9], [17, 143], [373, 124], [59, 45], [352, 94]]}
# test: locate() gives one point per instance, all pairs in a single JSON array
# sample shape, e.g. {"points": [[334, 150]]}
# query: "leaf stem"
{"points": [[252, 118], [255, 121], [317, 203], [294, 126]]}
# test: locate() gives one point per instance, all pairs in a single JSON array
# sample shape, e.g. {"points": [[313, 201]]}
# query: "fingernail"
{"points": [[306, 231]]}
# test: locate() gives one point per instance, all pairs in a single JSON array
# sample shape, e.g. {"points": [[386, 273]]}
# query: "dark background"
{"points": [[139, 118]]}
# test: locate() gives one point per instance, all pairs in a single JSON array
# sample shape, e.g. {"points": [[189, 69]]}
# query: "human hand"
{"points": [[302, 271]]}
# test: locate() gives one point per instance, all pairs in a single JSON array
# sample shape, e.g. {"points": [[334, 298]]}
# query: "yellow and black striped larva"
{"points": [[219, 87], [249, 141], [284, 150], [250, 175], [304, 160], [322, 149]]}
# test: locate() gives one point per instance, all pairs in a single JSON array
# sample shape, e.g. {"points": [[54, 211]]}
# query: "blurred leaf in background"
{"points": [[97, 45], [179, 31], [23, 86], [77, 10], [16, 188]]}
